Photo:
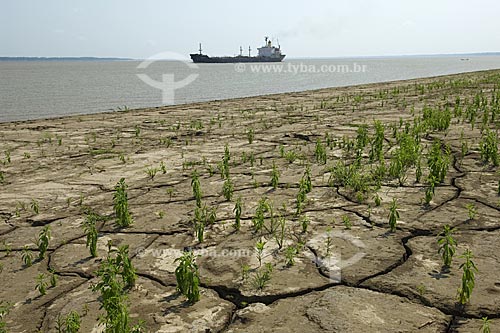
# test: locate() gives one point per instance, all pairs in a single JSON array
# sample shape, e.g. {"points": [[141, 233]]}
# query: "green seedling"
{"points": [[151, 172], [69, 324], [489, 147], [258, 220], [329, 241], [262, 277], [90, 229], [163, 167], [187, 277], [468, 278], [447, 245], [485, 325], [4, 311], [35, 206], [377, 199], [237, 214], [393, 215], [279, 235], [41, 284], [53, 280], [304, 223], [43, 241], [27, 256], [250, 135], [347, 222], [227, 189], [120, 201], [195, 184], [320, 152], [259, 247], [290, 254], [275, 174], [245, 272], [471, 210]]}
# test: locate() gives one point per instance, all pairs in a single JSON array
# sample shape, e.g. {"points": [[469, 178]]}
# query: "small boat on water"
{"points": [[267, 53]]}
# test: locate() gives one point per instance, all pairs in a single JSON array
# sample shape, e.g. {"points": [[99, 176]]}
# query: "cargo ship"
{"points": [[267, 53]]}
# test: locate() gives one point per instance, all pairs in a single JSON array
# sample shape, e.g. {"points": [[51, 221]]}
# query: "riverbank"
{"points": [[349, 271]]}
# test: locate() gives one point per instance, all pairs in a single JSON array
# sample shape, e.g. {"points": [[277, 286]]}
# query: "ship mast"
{"points": [[200, 48]]}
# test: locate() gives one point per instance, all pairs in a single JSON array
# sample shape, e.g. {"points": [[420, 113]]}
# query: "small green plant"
{"points": [[151, 172], [329, 241], [195, 184], [120, 201], [4, 311], [35, 207], [245, 270], [377, 199], [290, 254], [90, 229], [347, 222], [275, 175], [41, 284], [237, 214], [262, 277], [228, 188], [447, 245], [259, 247], [53, 280], [485, 325], [258, 220], [43, 241], [489, 147], [27, 256], [304, 223], [250, 135], [430, 191], [187, 277], [69, 324], [468, 278], [163, 167], [279, 235], [320, 152], [393, 215], [471, 210]]}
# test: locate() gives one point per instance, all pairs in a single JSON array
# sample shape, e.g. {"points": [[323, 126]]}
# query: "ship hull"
{"points": [[201, 58]]}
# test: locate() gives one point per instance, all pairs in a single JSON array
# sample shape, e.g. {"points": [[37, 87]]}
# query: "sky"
{"points": [[314, 28]]}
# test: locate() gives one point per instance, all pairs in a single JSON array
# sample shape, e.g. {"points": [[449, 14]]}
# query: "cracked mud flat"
{"points": [[366, 279]]}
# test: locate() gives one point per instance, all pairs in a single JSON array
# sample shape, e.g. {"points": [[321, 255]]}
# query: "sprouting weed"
{"points": [[237, 214], [187, 277], [43, 241], [120, 200], [41, 284], [259, 247], [393, 215], [471, 210], [27, 256], [347, 222], [468, 278], [447, 245]]}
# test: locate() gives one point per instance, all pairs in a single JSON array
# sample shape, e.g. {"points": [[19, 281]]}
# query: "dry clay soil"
{"points": [[367, 279]]}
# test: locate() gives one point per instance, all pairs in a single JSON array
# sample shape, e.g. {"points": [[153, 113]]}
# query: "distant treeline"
{"points": [[61, 59]]}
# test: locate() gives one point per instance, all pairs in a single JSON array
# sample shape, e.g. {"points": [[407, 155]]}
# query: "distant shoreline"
{"points": [[478, 54], [63, 59]]}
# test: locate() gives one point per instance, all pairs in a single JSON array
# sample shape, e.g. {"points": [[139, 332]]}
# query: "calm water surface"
{"points": [[43, 89]]}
